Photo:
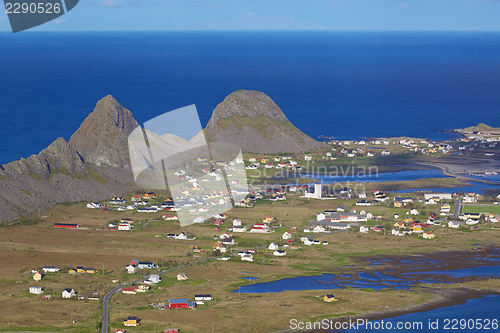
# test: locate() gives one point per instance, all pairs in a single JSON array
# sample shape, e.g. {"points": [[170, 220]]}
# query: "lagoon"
{"points": [[340, 176], [370, 280]]}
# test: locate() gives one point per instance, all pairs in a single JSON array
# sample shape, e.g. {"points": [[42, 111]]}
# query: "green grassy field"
{"points": [[490, 209]]}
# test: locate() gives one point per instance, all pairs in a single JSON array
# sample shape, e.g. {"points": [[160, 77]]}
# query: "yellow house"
{"points": [[131, 321], [90, 270], [408, 219], [397, 204], [429, 235], [277, 158], [38, 276], [268, 219], [399, 225], [80, 270], [264, 160], [72, 271], [417, 228], [143, 288], [474, 216], [329, 298], [127, 220]]}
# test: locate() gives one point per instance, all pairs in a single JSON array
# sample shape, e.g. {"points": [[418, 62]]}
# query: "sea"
{"points": [[340, 84]]}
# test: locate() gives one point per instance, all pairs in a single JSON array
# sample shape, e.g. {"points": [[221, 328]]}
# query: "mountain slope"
{"points": [[253, 121], [74, 171]]}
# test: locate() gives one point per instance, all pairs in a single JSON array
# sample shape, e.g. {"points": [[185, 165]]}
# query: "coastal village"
{"points": [[315, 232], [240, 235]]}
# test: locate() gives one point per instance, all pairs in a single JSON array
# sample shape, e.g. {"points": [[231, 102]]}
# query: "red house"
{"points": [[66, 225], [180, 303]]}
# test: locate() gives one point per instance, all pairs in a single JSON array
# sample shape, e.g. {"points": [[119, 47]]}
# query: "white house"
{"points": [[94, 205], [414, 212], [318, 229], [439, 196], [247, 257], [124, 226], [287, 235], [182, 277], [225, 235], [279, 253], [68, 293], [50, 269], [130, 269], [36, 290], [239, 229], [154, 278], [453, 224], [307, 241], [469, 199], [364, 229], [237, 223], [260, 228], [471, 222], [181, 236], [273, 246]]}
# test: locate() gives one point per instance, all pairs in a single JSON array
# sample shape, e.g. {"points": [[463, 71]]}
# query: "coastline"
{"points": [[448, 294], [448, 298]]}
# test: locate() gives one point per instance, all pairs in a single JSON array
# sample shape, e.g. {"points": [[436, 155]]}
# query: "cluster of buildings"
{"points": [[279, 162], [66, 293], [137, 264]]}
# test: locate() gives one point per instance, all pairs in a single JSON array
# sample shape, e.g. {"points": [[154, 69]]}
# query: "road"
{"points": [[105, 300], [107, 297], [446, 172]]}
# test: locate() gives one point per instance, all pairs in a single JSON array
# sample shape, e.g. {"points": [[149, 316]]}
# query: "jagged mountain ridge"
{"points": [[95, 163]]}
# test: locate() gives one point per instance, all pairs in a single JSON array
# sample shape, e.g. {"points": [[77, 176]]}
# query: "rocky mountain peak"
{"points": [[245, 103], [253, 121], [102, 137]]}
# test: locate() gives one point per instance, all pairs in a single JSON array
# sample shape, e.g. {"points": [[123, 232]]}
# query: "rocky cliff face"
{"points": [[102, 137], [253, 121], [59, 157]]}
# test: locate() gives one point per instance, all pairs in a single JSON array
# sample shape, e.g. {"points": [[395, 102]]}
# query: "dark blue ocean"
{"points": [[341, 84]]}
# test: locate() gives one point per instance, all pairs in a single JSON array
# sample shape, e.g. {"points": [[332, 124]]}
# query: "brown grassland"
{"points": [[23, 248]]}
